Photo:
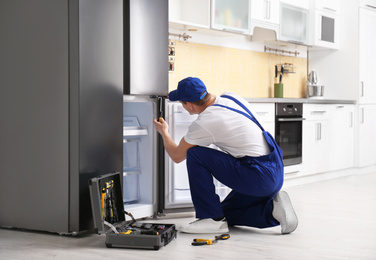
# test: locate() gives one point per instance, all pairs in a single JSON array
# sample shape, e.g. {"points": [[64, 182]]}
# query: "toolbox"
{"points": [[109, 218]]}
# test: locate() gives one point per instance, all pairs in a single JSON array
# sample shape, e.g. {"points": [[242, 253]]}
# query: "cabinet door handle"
{"points": [[330, 9], [232, 30], [318, 131], [362, 117], [371, 6], [351, 119], [362, 88]]}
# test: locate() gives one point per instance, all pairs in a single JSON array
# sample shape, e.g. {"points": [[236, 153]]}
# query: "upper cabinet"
{"points": [[325, 23], [303, 22], [294, 22], [367, 55], [265, 14], [231, 15], [189, 13]]}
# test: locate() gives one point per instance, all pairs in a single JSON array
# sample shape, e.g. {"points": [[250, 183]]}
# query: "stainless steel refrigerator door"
{"points": [[177, 191], [61, 81], [146, 47]]}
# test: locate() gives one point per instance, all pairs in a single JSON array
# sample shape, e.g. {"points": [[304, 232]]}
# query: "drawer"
{"points": [[317, 111], [263, 111]]}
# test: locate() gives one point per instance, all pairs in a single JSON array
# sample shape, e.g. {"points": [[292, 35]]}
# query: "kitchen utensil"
{"points": [[278, 90], [282, 70], [276, 71], [312, 78], [315, 91]]}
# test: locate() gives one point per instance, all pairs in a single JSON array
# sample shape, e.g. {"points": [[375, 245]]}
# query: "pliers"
{"points": [[201, 241]]}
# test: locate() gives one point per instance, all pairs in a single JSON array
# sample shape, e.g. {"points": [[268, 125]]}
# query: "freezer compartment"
{"points": [[177, 191], [139, 155]]}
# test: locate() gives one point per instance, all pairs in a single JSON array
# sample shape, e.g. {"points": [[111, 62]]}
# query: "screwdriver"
{"points": [[200, 241], [222, 237]]}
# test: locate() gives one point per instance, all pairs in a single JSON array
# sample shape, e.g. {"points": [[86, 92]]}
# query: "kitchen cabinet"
{"points": [[189, 13], [265, 114], [342, 137], [325, 23], [316, 138], [293, 24], [265, 14], [231, 15], [367, 55], [366, 150]]}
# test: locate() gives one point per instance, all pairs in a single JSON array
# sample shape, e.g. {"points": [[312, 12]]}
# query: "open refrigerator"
{"points": [[152, 182]]}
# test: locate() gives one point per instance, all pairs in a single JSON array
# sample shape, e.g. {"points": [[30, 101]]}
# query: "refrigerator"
{"points": [[152, 183], [61, 100]]}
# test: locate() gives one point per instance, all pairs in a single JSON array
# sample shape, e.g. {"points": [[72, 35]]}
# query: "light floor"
{"points": [[337, 221]]}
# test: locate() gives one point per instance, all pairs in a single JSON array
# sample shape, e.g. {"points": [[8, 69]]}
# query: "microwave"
{"points": [[293, 24]]}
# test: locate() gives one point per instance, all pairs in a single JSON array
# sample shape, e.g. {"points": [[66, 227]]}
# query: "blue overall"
{"points": [[254, 181]]}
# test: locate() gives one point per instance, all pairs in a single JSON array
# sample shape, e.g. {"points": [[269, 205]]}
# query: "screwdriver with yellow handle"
{"points": [[201, 241]]}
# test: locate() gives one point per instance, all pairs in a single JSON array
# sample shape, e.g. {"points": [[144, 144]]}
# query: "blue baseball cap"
{"points": [[189, 90]]}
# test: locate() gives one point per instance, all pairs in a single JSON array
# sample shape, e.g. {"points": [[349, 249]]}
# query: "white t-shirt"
{"points": [[230, 131]]}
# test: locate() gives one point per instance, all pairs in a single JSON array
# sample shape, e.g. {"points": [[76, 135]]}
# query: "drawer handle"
{"points": [[318, 112]]}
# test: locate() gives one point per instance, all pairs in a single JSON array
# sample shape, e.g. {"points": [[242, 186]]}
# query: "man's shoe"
{"points": [[284, 212], [206, 225]]}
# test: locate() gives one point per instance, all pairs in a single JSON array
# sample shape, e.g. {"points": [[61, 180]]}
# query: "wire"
{"points": [[111, 226]]}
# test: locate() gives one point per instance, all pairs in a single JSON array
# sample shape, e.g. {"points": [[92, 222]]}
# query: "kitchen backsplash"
{"points": [[247, 73]]}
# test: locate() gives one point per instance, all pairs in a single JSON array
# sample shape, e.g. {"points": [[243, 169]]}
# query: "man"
{"points": [[248, 161]]}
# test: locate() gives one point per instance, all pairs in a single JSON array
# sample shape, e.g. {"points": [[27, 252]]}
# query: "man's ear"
{"points": [[190, 105]]}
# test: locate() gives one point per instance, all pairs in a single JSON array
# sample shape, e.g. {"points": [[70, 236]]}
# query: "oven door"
{"points": [[288, 135]]}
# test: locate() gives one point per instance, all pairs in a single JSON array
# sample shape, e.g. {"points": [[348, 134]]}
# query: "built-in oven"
{"points": [[288, 131]]}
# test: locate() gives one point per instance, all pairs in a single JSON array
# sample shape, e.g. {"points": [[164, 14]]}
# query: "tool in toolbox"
{"points": [[109, 218], [201, 241]]}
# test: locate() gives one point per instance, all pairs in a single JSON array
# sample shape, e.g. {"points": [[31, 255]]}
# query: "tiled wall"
{"points": [[247, 73]]}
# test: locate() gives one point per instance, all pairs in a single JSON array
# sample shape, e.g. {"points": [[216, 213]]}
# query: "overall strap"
{"points": [[249, 115]]}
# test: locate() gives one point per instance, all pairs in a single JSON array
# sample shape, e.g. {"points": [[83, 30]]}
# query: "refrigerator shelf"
{"points": [[134, 130], [127, 173]]}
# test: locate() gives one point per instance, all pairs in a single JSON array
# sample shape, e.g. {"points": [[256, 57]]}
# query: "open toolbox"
{"points": [[109, 218]]}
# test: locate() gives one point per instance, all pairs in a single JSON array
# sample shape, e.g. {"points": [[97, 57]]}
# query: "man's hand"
{"points": [[161, 126], [177, 153]]}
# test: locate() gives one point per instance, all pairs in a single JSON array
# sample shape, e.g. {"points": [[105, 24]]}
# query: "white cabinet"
{"points": [[328, 137], [342, 137], [325, 23], [366, 150], [367, 56], [293, 24], [316, 138], [265, 14], [231, 15], [265, 114], [195, 13]]}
